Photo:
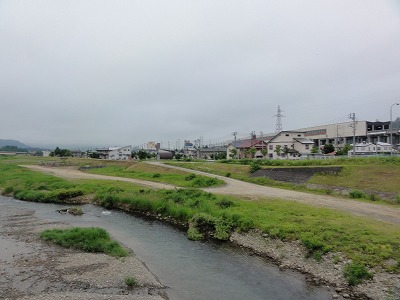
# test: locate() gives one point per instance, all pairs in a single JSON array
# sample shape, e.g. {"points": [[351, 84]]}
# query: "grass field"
{"points": [[365, 241], [145, 171]]}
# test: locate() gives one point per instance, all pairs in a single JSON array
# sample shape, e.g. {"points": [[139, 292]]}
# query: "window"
{"points": [[307, 147], [271, 147], [287, 134]]}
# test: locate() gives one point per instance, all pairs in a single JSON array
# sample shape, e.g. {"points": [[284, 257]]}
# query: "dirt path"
{"points": [[235, 187]]}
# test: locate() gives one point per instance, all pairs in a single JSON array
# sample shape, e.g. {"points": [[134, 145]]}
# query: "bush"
{"points": [[254, 166], [190, 177], [373, 197], [355, 273], [225, 203], [156, 175], [356, 194]]}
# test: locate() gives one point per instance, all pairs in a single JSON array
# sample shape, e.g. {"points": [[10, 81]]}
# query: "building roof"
{"points": [[304, 140]]}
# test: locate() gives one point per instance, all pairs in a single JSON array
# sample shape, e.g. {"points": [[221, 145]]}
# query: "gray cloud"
{"points": [[126, 72]]}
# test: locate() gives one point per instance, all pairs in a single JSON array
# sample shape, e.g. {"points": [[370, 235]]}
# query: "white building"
{"points": [[365, 148], [289, 144], [115, 153]]}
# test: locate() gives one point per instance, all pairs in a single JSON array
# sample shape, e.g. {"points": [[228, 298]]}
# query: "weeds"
{"points": [[87, 239], [130, 281], [355, 273]]}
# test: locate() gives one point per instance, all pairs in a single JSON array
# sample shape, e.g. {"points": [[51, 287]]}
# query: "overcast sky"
{"points": [[115, 72]]}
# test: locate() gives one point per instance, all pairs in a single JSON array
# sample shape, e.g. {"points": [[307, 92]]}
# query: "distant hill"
{"points": [[15, 143]]}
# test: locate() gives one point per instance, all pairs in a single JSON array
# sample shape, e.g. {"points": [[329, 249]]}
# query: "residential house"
{"points": [[209, 152], [252, 148], [189, 149], [289, 144], [115, 153]]}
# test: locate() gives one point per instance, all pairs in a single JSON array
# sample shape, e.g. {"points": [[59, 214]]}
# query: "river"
{"points": [[191, 270]]}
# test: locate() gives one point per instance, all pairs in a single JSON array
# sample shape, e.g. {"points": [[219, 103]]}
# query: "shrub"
{"points": [[373, 197], [228, 174], [224, 203], [190, 177], [254, 166], [355, 273], [356, 194], [156, 175]]}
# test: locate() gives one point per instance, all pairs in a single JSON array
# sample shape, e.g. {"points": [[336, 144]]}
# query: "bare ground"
{"points": [[33, 269]]}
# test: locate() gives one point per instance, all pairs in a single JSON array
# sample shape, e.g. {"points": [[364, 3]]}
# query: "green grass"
{"points": [[364, 241], [86, 239], [162, 174], [381, 178], [368, 175]]}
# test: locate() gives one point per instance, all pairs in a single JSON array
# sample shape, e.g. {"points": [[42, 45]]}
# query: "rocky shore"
{"points": [[328, 271], [33, 269]]}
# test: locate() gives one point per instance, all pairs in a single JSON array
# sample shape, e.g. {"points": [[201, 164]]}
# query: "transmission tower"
{"points": [[279, 117]]}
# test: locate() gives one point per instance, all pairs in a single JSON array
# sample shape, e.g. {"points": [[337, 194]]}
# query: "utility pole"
{"points": [[234, 135], [391, 128], [353, 117]]}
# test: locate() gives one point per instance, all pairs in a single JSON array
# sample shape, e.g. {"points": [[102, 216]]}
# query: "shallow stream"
{"points": [[191, 270]]}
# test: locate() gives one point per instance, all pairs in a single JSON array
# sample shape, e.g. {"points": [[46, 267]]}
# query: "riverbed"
{"points": [[189, 269]]}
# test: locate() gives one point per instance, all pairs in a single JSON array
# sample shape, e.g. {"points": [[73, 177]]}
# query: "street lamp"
{"points": [[391, 128]]}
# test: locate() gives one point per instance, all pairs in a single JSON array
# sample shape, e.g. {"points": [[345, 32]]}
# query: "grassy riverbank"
{"points": [[367, 176], [364, 241]]}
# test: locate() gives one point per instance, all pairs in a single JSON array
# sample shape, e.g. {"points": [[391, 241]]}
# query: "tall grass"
{"points": [[86, 239]]}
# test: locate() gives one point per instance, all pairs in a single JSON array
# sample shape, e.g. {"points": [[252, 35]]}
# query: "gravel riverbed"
{"points": [[33, 269]]}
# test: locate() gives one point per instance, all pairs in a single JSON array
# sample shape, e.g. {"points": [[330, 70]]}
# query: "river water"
{"points": [[191, 270]]}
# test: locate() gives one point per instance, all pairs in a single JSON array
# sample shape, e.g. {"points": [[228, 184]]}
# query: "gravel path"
{"points": [[250, 191]]}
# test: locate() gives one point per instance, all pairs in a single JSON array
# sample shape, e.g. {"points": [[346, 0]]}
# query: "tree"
{"points": [[264, 152], [233, 153], [286, 151], [328, 148], [253, 152], [178, 156], [314, 150], [61, 152], [142, 154], [344, 150], [278, 150]]}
